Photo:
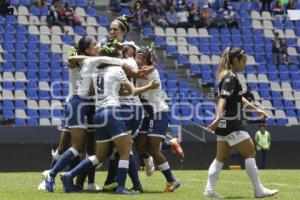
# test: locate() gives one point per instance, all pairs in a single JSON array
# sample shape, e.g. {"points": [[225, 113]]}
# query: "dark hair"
{"points": [[149, 53], [83, 44], [126, 19]]}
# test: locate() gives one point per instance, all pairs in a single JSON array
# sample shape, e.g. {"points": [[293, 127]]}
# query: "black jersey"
{"points": [[230, 88]]}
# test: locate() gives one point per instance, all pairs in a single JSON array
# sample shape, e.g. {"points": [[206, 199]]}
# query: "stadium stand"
{"points": [[33, 62]]}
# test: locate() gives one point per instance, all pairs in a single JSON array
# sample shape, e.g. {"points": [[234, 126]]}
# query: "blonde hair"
{"points": [[225, 65]]}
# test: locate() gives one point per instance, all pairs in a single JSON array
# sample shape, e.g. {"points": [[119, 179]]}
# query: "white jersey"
{"points": [[131, 99], [107, 83], [155, 98], [73, 74], [84, 79]]}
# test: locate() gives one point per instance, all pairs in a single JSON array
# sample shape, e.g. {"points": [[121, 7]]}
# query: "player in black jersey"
{"points": [[227, 124]]}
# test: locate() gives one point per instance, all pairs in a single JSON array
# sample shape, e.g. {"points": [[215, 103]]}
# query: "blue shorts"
{"points": [[80, 112], [109, 124], [132, 116], [64, 126], [156, 125]]}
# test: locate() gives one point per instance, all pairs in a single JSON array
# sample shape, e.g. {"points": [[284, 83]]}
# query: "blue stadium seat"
{"points": [[21, 48], [290, 113], [24, 2], [195, 69], [171, 50], [20, 85], [32, 57], [68, 39], [278, 24], [21, 29], [214, 32], [264, 86], [44, 95], [193, 41], [205, 41], [33, 39], [183, 86], [159, 41], [32, 94], [148, 32], [277, 104], [8, 86], [289, 25], [281, 122], [80, 30], [34, 10], [44, 11], [270, 122], [32, 66], [20, 122], [8, 113], [8, 67], [91, 12], [288, 104], [44, 48], [44, 76], [20, 57], [11, 19], [261, 69], [276, 95], [182, 60], [20, 104], [31, 75], [225, 32], [44, 113], [8, 104], [265, 95], [21, 38], [284, 77], [204, 50], [291, 42], [8, 47], [44, 57], [81, 3], [103, 21], [32, 122]]}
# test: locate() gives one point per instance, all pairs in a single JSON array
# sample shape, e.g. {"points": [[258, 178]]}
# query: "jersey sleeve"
{"points": [[119, 75], [106, 60], [227, 88]]}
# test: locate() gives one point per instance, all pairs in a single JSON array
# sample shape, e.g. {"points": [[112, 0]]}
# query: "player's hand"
{"points": [[212, 127], [127, 70], [142, 73], [262, 114], [154, 84]]}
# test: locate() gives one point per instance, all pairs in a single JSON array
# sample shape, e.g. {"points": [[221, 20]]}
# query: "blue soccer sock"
{"points": [[112, 169], [166, 170], [74, 163], [133, 172], [84, 166], [122, 173], [64, 160], [165, 145]]}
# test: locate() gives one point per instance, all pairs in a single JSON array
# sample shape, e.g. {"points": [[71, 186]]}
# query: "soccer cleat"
{"points": [[42, 185], [211, 194], [125, 191], [138, 189], [93, 187], [172, 186], [50, 184], [149, 165], [265, 192], [110, 187], [176, 148], [68, 184]]}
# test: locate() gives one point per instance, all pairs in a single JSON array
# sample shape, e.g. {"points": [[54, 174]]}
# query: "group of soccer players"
{"points": [[116, 102]]}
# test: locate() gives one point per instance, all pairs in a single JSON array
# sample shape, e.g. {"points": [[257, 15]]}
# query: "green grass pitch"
{"points": [[231, 185]]}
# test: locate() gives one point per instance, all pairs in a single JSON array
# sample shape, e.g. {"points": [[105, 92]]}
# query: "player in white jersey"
{"points": [[155, 124], [110, 127], [77, 115]]}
